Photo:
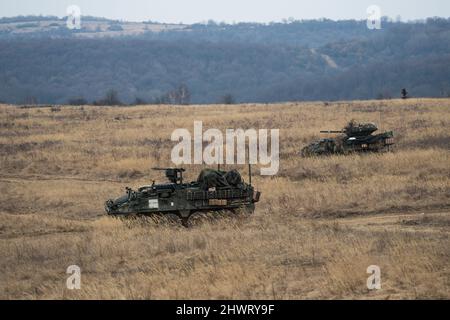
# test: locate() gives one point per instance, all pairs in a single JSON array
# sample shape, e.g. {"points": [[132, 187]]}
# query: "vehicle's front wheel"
{"points": [[185, 214]]}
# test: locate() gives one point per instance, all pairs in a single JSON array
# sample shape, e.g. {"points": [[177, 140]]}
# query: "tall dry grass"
{"points": [[320, 222]]}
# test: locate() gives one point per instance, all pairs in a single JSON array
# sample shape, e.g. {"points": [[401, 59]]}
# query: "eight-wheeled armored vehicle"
{"points": [[356, 137], [214, 190]]}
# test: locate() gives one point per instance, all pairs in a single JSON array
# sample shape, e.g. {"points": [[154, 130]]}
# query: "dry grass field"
{"points": [[320, 223]]}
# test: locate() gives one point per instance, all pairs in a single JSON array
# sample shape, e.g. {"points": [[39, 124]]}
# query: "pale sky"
{"points": [[191, 11]]}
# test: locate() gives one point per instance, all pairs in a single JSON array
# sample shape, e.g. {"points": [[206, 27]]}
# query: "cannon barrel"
{"points": [[332, 131]]}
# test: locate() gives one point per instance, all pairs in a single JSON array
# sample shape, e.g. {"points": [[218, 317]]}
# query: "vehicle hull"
{"points": [[183, 201]]}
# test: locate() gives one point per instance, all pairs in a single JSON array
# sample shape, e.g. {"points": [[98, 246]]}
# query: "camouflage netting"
{"points": [[210, 178], [354, 128]]}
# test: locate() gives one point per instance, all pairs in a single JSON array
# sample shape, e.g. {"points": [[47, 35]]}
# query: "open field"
{"points": [[91, 28], [320, 223]]}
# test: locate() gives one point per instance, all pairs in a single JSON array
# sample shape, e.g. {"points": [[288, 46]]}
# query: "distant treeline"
{"points": [[33, 18], [315, 60]]}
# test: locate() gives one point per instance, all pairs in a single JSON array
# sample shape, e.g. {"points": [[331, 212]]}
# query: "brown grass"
{"points": [[320, 223]]}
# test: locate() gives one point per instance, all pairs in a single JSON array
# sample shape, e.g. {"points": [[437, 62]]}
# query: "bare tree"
{"points": [[181, 95], [111, 99]]}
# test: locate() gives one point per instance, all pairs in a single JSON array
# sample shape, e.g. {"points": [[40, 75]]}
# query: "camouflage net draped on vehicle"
{"points": [[210, 178]]}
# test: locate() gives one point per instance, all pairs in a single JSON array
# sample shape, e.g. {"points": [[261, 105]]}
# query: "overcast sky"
{"points": [[190, 11]]}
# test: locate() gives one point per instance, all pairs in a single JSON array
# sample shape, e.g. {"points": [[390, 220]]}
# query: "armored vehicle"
{"points": [[355, 137], [213, 191]]}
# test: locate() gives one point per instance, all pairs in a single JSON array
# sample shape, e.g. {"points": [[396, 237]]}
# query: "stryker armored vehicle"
{"points": [[356, 137], [213, 191]]}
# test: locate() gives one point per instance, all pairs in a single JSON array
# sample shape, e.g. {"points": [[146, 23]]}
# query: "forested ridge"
{"points": [[209, 63]]}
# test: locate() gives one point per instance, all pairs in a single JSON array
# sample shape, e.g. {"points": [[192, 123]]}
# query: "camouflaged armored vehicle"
{"points": [[356, 137], [213, 191]]}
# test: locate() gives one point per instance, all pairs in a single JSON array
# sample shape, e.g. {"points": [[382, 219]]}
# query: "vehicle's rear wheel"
{"points": [[172, 218]]}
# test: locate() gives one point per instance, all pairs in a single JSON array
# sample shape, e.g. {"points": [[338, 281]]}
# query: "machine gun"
{"points": [[332, 131], [355, 129], [174, 175]]}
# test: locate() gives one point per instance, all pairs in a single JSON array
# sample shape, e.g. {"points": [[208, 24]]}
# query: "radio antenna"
{"points": [[381, 124], [249, 166]]}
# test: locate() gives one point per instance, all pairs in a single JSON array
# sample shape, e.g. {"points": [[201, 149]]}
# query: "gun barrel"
{"points": [[331, 131]]}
